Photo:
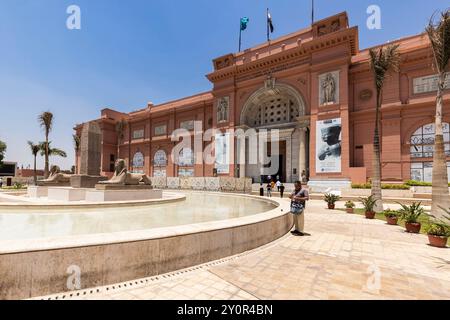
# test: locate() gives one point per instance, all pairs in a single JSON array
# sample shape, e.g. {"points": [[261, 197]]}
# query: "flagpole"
{"points": [[267, 22], [312, 12], [240, 36]]}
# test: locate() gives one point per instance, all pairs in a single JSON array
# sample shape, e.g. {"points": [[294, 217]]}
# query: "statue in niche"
{"points": [[222, 109], [55, 178], [123, 177], [328, 87]]}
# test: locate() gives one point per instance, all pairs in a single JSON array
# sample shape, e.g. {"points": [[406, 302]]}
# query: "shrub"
{"points": [[368, 203], [414, 183], [383, 186], [331, 198], [391, 213], [411, 213], [438, 229], [349, 204]]}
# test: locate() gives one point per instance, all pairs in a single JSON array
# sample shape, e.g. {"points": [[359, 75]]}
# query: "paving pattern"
{"points": [[346, 257]]}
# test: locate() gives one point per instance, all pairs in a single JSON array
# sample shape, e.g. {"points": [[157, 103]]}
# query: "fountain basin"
{"points": [[40, 266]]}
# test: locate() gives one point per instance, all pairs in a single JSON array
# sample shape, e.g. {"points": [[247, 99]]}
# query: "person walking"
{"points": [[281, 190], [298, 205], [269, 190], [261, 190], [278, 185]]}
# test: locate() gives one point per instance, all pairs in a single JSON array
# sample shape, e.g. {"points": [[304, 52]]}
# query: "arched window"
{"points": [[160, 164], [186, 163], [160, 159], [422, 151], [138, 162]]}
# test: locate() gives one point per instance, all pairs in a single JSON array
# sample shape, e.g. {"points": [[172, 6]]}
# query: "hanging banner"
{"points": [[328, 146], [222, 151]]}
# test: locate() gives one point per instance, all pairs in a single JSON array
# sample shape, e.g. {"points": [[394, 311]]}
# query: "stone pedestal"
{"points": [[37, 191], [123, 195], [66, 194], [85, 181]]}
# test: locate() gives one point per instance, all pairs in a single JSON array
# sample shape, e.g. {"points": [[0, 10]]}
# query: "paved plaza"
{"points": [[346, 257]]}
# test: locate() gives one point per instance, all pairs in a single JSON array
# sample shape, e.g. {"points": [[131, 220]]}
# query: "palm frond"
{"points": [[46, 121], [438, 31], [35, 148], [383, 60]]}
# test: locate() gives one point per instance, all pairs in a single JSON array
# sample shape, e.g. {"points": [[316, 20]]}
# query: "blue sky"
{"points": [[131, 52]]}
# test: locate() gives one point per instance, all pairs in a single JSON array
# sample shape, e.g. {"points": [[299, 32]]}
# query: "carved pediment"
{"points": [[223, 62]]}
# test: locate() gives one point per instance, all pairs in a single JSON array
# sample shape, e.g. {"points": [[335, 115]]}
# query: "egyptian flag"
{"points": [[269, 22]]}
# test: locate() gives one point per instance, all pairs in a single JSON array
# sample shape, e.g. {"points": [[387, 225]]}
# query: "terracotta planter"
{"points": [[393, 221], [413, 227], [350, 210], [331, 206], [436, 241], [370, 215]]}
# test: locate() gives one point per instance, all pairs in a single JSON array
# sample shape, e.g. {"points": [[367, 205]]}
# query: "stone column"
{"points": [[302, 152], [242, 145]]}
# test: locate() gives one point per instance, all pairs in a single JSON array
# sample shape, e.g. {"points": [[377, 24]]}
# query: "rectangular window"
{"points": [[428, 84], [138, 134], [188, 125], [160, 130]]}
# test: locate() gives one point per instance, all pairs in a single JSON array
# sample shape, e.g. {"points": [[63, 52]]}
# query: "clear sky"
{"points": [[129, 52]]}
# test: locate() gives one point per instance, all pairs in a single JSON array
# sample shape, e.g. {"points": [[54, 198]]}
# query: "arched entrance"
{"points": [[279, 109]]}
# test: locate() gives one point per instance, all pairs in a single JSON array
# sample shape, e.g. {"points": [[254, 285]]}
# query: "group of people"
{"points": [[271, 186], [298, 202]]}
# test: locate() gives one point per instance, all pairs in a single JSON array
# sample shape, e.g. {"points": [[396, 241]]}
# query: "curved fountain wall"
{"points": [[30, 268]]}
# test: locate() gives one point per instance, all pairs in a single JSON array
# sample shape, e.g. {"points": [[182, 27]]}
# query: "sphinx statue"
{"points": [[123, 177], [56, 178]]}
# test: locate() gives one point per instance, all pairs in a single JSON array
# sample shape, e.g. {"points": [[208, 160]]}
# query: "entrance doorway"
{"points": [[277, 163]]}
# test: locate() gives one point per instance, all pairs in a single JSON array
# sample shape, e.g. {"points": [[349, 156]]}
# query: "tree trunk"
{"points": [[440, 176], [35, 172], [46, 168], [376, 174]]}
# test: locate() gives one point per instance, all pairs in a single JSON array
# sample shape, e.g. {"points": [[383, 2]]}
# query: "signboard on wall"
{"points": [[222, 151], [329, 146]]}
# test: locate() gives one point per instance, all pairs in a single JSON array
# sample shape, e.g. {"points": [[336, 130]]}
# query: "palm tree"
{"points": [[439, 35], [46, 147], [2, 151], [382, 60], [46, 122], [76, 145], [120, 130], [35, 148]]}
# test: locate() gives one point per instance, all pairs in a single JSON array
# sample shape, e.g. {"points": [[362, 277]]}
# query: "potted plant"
{"points": [[350, 206], [331, 200], [391, 217], [439, 231], [438, 234], [369, 204], [410, 214]]}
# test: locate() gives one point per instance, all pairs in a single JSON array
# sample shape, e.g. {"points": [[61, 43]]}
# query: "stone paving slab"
{"points": [[346, 257]]}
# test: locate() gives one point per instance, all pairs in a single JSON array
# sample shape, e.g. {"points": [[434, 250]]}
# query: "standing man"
{"points": [[278, 185], [269, 190], [281, 190], [298, 205]]}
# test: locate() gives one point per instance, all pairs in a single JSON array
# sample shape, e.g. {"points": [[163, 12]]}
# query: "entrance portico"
{"points": [[276, 134]]}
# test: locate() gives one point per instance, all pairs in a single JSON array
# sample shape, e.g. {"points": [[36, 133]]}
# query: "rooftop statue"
{"points": [[123, 177]]}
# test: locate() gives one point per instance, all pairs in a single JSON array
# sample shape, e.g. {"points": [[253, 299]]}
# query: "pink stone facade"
{"points": [[282, 85]]}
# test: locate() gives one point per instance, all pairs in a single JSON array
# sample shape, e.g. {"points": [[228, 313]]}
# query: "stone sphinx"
{"points": [[56, 178], [122, 177]]}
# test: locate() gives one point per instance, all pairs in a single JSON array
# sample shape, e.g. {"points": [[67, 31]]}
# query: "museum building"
{"points": [[315, 87]]}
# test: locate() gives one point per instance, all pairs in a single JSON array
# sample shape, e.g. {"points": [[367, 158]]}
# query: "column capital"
{"points": [[303, 122]]}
